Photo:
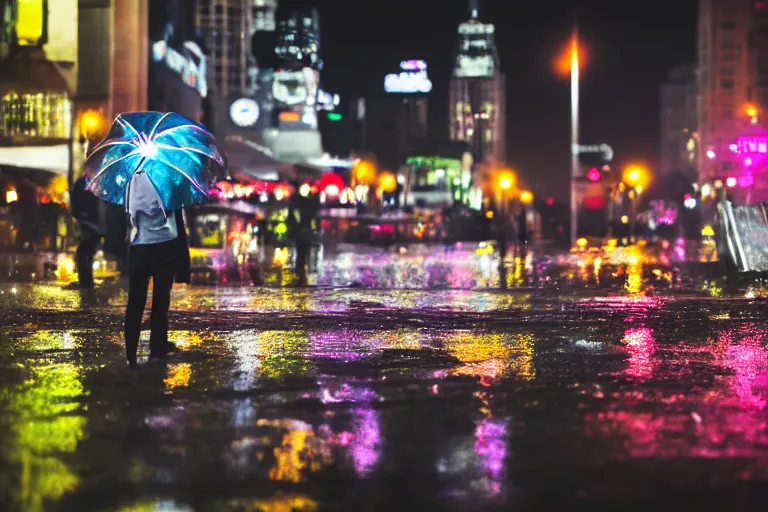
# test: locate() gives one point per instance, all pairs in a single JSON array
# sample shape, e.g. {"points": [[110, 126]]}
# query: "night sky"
{"points": [[632, 46]]}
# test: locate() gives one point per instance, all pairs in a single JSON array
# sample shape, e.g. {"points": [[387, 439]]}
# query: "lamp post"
{"points": [[574, 60], [635, 177], [569, 64], [506, 182]]}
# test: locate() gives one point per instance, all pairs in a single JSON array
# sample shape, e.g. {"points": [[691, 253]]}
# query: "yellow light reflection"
{"points": [[299, 453], [43, 426], [298, 503], [178, 376], [282, 354], [492, 355]]}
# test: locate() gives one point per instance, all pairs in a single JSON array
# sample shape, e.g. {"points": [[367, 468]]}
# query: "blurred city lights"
{"points": [[594, 174], [572, 55], [690, 203], [730, 182], [388, 183], [526, 197], [305, 189], [711, 154], [507, 180]]}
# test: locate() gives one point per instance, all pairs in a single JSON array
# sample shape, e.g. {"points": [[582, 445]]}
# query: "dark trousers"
{"points": [[155, 261], [84, 254]]}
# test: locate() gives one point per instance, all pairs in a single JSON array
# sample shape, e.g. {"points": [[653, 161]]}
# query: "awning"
{"points": [[48, 158], [250, 159]]}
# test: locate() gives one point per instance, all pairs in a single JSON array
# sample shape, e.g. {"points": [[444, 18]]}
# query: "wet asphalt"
{"points": [[352, 399]]}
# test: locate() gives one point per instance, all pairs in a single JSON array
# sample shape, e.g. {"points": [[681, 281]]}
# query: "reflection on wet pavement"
{"points": [[323, 399]]}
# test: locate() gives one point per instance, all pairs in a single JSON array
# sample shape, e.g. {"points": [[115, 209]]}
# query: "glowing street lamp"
{"points": [[636, 176], [570, 63], [507, 181], [526, 197]]}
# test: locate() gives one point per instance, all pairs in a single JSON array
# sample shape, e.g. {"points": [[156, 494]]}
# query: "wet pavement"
{"points": [[351, 399]]}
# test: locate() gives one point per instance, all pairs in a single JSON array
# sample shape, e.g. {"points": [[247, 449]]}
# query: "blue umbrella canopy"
{"points": [[179, 156]]}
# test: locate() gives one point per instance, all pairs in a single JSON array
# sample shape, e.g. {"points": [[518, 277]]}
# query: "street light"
{"points": [[526, 197], [636, 176], [507, 181], [570, 63]]}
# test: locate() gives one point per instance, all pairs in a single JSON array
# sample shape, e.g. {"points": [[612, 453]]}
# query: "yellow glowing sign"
{"points": [[30, 16]]}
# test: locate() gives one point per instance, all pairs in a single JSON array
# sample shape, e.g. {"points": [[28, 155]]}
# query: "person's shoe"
{"points": [[167, 348]]}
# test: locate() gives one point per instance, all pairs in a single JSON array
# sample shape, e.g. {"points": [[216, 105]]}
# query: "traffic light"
{"points": [[334, 116]]}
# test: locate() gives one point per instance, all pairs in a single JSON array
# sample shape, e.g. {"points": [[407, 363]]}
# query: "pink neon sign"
{"points": [[753, 145]]}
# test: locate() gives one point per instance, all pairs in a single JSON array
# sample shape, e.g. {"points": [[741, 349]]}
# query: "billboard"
{"points": [[412, 79], [295, 94]]}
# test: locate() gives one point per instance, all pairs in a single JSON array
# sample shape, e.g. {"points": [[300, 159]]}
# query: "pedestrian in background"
{"points": [[160, 251], [86, 209]]}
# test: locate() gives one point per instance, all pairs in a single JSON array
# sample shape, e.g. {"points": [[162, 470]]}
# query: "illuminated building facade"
{"points": [[59, 58], [178, 69], [679, 136], [724, 82], [477, 92]]}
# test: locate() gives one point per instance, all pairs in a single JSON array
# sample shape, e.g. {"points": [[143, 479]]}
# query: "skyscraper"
{"points": [[724, 82], [477, 91], [679, 135]]}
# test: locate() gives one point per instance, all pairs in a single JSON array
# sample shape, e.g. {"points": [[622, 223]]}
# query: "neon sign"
{"points": [[191, 67], [753, 145], [413, 79], [413, 65]]}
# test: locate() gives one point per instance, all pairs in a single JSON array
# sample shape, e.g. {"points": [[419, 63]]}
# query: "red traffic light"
{"points": [[594, 174]]}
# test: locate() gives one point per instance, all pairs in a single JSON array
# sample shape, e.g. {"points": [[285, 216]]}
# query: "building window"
{"points": [[727, 83], [45, 115]]}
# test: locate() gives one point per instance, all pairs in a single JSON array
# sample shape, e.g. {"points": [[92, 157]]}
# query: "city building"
{"points": [[679, 135], [178, 69], [724, 82], [264, 74], [67, 67], [395, 122], [477, 99]]}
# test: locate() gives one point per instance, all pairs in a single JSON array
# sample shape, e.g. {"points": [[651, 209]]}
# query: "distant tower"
{"points": [[477, 91]]}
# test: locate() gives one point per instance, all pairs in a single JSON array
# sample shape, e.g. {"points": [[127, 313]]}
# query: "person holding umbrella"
{"points": [[154, 164]]}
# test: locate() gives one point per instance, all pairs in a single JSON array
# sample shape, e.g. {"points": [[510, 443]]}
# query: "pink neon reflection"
{"points": [[724, 419], [491, 449], [641, 346]]}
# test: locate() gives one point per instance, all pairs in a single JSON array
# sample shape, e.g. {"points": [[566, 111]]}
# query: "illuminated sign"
{"points": [[29, 22], [290, 117], [413, 79], [244, 112], [753, 145], [604, 149], [191, 67], [413, 65], [471, 28], [327, 101]]}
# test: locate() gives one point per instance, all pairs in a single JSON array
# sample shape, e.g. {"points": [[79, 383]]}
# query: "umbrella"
{"points": [[178, 156]]}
